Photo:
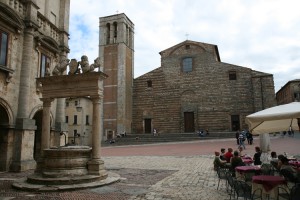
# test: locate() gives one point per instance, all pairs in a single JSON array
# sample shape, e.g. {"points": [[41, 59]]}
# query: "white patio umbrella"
{"points": [[274, 119]]}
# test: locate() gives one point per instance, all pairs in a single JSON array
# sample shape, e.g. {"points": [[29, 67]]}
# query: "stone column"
{"points": [[25, 77], [45, 144], [96, 165], [96, 128], [45, 139], [24, 133]]}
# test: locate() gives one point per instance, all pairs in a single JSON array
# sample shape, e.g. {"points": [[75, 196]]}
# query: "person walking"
{"points": [[237, 134], [241, 140]]}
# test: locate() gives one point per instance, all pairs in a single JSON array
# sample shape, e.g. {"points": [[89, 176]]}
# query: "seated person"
{"points": [[240, 151], [222, 154], [285, 169], [256, 157], [274, 159], [218, 162], [228, 154], [235, 161]]}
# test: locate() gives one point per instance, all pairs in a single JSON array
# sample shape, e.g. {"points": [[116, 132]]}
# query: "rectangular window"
{"points": [[149, 83], [232, 75], [75, 119], [187, 64], [87, 120], [3, 48], [45, 63], [67, 119], [67, 104], [76, 103]]}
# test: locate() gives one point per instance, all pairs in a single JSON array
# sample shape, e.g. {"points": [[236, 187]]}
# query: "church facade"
{"points": [[194, 90]]}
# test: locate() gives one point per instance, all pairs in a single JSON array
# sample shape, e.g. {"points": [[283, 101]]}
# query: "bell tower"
{"points": [[116, 50]]}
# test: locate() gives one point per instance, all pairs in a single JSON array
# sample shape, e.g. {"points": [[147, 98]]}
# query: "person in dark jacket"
{"points": [[256, 157]]}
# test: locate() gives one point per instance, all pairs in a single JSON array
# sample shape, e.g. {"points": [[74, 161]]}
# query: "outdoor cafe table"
{"points": [[295, 163], [268, 184], [243, 170], [247, 160]]}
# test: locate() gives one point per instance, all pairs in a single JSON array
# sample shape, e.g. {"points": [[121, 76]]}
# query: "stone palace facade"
{"points": [[34, 40]]}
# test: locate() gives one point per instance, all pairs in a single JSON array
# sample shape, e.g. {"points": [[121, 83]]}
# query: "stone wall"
{"points": [[206, 91]]}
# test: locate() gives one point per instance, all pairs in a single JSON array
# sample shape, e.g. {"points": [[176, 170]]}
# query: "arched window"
{"points": [[115, 32], [107, 33]]}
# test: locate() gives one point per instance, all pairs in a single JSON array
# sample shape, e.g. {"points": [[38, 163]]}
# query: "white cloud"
{"points": [[262, 35]]}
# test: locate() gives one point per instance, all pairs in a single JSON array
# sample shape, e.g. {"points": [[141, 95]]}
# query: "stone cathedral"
{"points": [[193, 89]]}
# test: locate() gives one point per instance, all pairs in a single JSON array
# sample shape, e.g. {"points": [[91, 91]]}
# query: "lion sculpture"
{"points": [[60, 67]]}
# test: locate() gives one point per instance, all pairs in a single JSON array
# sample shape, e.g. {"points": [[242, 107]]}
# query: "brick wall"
{"points": [[206, 91]]}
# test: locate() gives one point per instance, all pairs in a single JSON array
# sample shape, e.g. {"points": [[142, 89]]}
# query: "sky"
{"points": [[263, 35]]}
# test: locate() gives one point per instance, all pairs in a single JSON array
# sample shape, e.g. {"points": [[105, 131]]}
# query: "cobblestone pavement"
{"points": [[179, 171]]}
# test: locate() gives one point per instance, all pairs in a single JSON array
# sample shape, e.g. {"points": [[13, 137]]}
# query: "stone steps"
{"points": [[132, 139]]}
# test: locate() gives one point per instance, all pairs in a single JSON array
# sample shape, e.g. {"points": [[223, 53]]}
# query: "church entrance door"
{"points": [[189, 125], [147, 123]]}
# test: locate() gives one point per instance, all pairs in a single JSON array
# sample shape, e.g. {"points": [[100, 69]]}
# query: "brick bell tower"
{"points": [[116, 50]]}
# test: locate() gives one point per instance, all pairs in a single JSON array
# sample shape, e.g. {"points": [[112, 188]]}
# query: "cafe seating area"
{"points": [[265, 181]]}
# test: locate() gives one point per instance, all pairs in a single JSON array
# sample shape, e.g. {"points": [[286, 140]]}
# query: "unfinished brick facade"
{"points": [[211, 95]]}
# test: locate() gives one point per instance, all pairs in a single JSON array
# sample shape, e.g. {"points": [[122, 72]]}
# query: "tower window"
{"points": [[107, 33], [67, 119], [187, 65], [187, 46], [3, 48], [115, 31]]}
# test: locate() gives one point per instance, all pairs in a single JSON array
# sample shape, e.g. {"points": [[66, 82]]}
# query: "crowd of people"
{"points": [[231, 159]]}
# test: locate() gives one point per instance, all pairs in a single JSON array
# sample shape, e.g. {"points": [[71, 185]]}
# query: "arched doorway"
{"points": [[38, 117], [4, 139]]}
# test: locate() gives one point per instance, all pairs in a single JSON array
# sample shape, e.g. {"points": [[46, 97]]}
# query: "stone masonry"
{"points": [[207, 92]]}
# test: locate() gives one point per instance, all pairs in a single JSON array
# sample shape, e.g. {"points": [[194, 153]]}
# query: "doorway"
{"points": [[147, 123], [189, 125], [38, 117], [4, 139], [235, 122]]}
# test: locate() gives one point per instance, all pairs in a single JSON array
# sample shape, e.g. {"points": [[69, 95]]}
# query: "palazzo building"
{"points": [[288, 93], [34, 40]]}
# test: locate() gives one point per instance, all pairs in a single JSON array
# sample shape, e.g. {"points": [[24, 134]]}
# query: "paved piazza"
{"points": [[173, 171], [193, 177]]}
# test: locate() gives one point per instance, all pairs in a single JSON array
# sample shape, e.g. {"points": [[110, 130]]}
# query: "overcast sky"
{"points": [[263, 35]]}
